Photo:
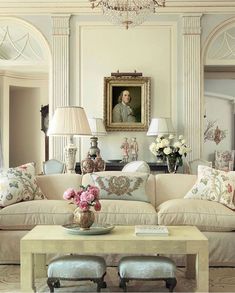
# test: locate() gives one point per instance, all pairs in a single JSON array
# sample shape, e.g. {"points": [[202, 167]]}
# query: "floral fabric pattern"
{"points": [[19, 184], [121, 187], [224, 160], [214, 185]]}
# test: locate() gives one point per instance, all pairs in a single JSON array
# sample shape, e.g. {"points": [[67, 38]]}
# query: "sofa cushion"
{"points": [[126, 213], [206, 215], [26, 215], [17, 184], [214, 185], [149, 187], [53, 186], [121, 186]]}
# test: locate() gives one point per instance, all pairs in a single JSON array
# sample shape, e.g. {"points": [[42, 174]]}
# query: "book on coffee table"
{"points": [[151, 230]]}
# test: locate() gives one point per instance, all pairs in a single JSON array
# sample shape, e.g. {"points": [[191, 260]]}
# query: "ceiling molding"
{"points": [[23, 75], [74, 7], [219, 72], [221, 68]]}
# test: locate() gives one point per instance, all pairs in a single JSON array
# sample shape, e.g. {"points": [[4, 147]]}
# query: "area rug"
{"points": [[221, 280]]}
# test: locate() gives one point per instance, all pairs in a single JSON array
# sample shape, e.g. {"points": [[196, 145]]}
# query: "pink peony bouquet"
{"points": [[86, 197]]}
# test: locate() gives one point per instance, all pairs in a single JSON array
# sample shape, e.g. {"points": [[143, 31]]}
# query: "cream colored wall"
{"points": [[25, 141], [1, 122], [104, 48], [24, 82]]}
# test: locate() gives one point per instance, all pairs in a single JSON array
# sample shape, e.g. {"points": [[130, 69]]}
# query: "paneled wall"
{"points": [[102, 49]]}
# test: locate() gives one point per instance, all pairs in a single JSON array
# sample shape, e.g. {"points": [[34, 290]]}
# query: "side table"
{"points": [[115, 166]]}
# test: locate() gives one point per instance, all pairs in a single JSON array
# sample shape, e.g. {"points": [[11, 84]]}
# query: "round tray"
{"points": [[94, 229]]}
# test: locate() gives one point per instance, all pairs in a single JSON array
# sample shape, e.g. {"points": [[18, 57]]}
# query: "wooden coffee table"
{"points": [[42, 240]]}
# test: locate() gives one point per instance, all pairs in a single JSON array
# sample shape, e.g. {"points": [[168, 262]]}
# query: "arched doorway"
{"points": [[25, 62], [218, 79]]}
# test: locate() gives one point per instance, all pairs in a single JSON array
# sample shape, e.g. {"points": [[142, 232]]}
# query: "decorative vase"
{"points": [[172, 164], [84, 219]]}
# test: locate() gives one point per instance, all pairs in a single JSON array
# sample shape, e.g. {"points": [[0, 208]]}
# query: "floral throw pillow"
{"points": [[121, 187], [214, 185], [19, 184]]}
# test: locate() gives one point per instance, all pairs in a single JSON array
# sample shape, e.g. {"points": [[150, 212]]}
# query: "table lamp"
{"points": [[97, 129], [160, 126], [69, 121]]}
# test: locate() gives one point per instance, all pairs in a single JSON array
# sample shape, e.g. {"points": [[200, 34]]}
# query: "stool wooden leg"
{"points": [[122, 284], [101, 284], [53, 283], [171, 283]]}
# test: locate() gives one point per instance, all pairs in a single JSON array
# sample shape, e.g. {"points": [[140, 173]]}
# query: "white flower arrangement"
{"points": [[168, 147]]}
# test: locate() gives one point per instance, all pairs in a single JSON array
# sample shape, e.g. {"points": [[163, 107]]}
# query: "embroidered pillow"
{"points": [[121, 187], [214, 185], [19, 184]]}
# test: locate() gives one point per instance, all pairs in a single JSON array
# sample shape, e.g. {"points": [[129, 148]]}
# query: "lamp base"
{"points": [[70, 157], [94, 150]]}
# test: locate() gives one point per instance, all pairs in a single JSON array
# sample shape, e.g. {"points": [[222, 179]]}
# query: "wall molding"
{"points": [[21, 75], [60, 76], [84, 7], [191, 80], [220, 96]]}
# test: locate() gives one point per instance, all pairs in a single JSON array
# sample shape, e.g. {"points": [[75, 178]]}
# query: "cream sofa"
{"points": [[166, 206]]}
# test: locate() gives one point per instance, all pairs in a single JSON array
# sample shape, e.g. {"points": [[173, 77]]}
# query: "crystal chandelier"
{"points": [[127, 12]]}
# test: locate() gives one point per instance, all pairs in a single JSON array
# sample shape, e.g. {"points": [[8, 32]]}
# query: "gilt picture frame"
{"points": [[126, 103]]}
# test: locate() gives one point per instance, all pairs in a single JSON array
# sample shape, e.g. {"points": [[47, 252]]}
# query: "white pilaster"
{"points": [[191, 79], [60, 75]]}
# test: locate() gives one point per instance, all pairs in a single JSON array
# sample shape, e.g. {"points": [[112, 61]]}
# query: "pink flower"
{"points": [[90, 197], [69, 193], [84, 205], [94, 190], [97, 206], [83, 196], [77, 200], [86, 197], [229, 188]]}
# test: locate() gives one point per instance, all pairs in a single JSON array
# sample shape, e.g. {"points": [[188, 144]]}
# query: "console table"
{"points": [[117, 166]]}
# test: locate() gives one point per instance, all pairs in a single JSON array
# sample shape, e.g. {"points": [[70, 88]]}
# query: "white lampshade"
{"points": [[97, 126], [160, 126], [69, 120]]}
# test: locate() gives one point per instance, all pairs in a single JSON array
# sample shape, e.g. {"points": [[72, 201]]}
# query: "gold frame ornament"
{"points": [[138, 88]]}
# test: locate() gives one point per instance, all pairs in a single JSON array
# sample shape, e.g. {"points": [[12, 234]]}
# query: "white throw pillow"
{"points": [[19, 184], [121, 187], [214, 185]]}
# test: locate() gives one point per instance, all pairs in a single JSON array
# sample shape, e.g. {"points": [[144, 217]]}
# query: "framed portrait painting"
{"points": [[126, 103]]}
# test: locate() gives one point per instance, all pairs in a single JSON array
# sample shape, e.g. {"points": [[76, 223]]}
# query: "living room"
{"points": [[62, 53]]}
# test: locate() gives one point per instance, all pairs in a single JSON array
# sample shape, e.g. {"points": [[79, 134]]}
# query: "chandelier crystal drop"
{"points": [[128, 13]]}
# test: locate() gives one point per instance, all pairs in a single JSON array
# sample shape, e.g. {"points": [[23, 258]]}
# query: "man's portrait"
{"points": [[126, 103]]}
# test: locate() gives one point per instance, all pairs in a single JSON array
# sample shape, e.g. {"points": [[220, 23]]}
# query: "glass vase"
{"points": [[172, 164], [84, 219]]}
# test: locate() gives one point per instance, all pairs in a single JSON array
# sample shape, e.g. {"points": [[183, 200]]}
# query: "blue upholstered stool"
{"points": [[147, 268], [76, 267]]}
